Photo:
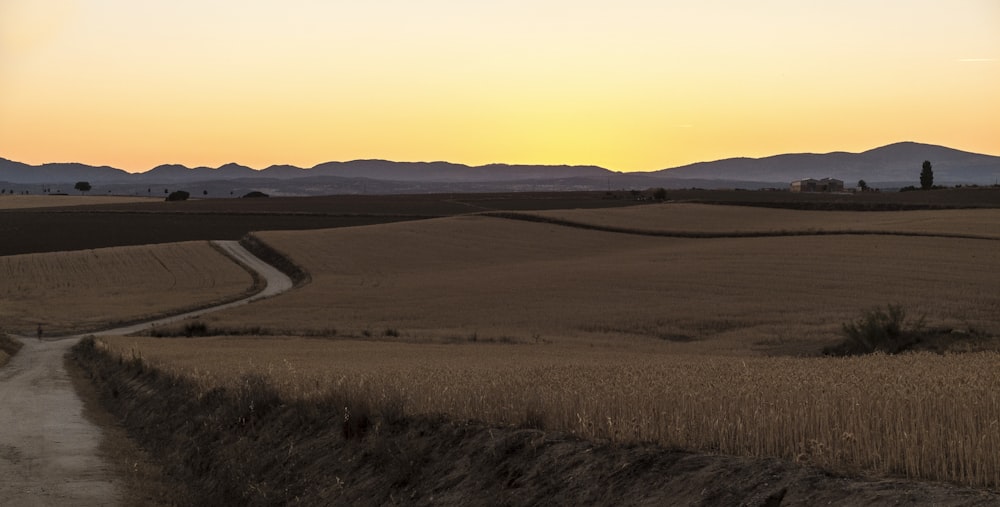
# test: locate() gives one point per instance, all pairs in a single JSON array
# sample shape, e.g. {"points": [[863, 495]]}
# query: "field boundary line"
{"points": [[527, 217]]}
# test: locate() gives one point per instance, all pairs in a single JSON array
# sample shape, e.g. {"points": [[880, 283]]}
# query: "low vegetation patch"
{"points": [[178, 195], [201, 329], [881, 330], [8, 347], [888, 331]]}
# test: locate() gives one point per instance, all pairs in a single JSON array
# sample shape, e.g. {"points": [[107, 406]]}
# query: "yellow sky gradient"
{"points": [[628, 85]]}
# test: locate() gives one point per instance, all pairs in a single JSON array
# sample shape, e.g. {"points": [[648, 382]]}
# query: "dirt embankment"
{"points": [[8, 347], [247, 446]]}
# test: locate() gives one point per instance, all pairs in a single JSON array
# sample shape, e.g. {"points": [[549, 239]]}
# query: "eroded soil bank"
{"points": [[247, 446]]}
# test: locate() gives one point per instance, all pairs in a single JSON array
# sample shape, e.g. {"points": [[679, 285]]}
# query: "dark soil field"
{"points": [[82, 227]]}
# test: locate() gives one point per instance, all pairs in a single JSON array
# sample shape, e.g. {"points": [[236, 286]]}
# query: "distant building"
{"points": [[823, 185]]}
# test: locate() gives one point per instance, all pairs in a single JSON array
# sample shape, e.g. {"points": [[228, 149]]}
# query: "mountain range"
{"points": [[893, 166]]}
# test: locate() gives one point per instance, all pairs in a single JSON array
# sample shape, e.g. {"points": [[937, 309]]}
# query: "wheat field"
{"points": [[919, 415], [503, 279], [89, 289]]}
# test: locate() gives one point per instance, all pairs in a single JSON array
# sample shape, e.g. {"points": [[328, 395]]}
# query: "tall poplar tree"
{"points": [[926, 176]]}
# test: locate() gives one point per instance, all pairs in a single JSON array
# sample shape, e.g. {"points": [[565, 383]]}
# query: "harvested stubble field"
{"points": [[679, 341], [70, 292]]}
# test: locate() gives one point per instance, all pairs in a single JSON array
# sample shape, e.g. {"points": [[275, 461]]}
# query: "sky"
{"points": [[630, 85]]}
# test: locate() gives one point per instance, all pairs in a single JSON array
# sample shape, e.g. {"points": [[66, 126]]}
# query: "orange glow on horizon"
{"points": [[638, 86]]}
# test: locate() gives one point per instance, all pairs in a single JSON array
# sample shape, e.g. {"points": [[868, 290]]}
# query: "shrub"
{"points": [[178, 195], [195, 329], [255, 193], [879, 330]]}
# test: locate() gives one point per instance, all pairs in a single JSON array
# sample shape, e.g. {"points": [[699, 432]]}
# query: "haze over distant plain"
{"points": [[638, 85]]}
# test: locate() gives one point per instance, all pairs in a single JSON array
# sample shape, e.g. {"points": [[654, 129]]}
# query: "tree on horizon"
{"points": [[82, 186], [926, 176]]}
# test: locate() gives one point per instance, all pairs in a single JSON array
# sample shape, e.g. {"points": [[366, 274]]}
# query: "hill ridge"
{"points": [[893, 165]]}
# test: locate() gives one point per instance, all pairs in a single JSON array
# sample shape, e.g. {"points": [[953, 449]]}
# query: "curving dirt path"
{"points": [[48, 449]]}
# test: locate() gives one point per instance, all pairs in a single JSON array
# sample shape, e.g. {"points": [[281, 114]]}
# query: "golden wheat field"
{"points": [[503, 279], [49, 201], [917, 415], [89, 289]]}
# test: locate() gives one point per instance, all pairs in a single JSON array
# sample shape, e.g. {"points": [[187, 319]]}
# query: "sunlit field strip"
{"points": [[704, 218], [88, 289], [919, 415]]}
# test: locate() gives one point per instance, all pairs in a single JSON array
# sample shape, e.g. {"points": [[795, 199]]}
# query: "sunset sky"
{"points": [[630, 85]]}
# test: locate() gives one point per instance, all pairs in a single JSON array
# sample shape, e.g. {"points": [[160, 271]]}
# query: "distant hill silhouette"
{"points": [[17, 172], [891, 166]]}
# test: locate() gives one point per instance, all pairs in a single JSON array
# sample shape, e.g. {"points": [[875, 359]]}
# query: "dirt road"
{"points": [[48, 449]]}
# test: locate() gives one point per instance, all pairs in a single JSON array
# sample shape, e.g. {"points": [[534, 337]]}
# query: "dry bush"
{"points": [[8, 347], [88, 289], [925, 416]]}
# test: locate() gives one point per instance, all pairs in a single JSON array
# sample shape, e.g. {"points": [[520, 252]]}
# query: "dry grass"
{"points": [[919, 415], [89, 289], [452, 278], [52, 201], [704, 218]]}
